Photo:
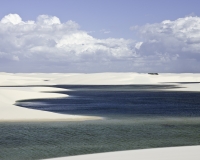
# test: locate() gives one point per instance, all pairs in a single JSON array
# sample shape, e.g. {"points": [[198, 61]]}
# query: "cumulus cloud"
{"points": [[47, 40], [12, 18], [171, 43], [49, 45]]}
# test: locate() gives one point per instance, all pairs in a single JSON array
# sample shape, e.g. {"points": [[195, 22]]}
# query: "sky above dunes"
{"points": [[100, 36]]}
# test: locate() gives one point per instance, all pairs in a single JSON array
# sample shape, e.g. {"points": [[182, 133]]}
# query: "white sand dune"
{"points": [[171, 153], [10, 112], [9, 95]]}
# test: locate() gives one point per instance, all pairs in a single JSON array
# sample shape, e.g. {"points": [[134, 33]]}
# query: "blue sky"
{"points": [[116, 16], [99, 36]]}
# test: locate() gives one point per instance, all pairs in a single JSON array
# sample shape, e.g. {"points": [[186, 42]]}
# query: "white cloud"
{"points": [[181, 35], [105, 31], [47, 40], [11, 18], [47, 20], [47, 44], [138, 45], [171, 42]]}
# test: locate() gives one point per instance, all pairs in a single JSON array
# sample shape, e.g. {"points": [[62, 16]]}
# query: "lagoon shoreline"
{"points": [[9, 95]]}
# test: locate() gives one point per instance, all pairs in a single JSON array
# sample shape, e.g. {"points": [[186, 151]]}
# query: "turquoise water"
{"points": [[135, 118]]}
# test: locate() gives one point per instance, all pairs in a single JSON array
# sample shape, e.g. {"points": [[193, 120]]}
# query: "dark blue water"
{"points": [[137, 117], [120, 101]]}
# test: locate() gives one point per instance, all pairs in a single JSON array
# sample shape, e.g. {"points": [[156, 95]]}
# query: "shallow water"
{"points": [[26, 141], [134, 119]]}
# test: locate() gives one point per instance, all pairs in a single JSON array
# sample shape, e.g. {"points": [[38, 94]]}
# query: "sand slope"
{"points": [[173, 153], [9, 95]]}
